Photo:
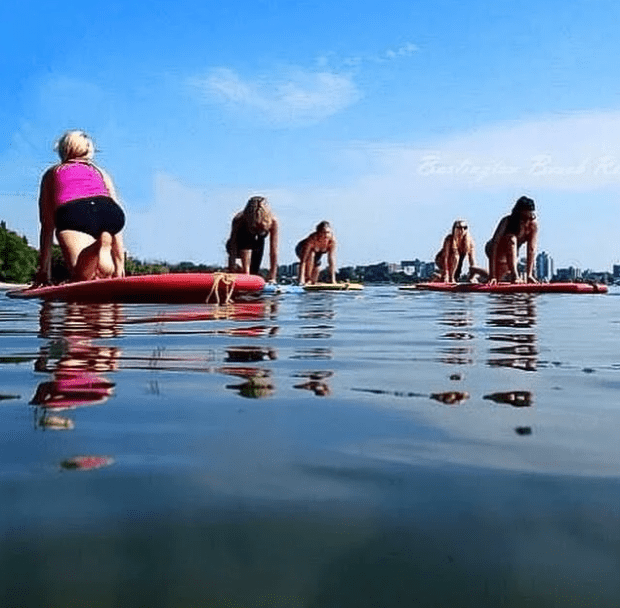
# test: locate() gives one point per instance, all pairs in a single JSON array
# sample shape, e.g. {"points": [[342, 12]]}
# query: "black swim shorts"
{"points": [[90, 215]]}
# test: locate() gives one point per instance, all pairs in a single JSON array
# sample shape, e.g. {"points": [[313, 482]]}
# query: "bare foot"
{"points": [[105, 266]]}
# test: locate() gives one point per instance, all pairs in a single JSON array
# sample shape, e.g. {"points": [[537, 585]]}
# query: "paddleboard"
{"points": [[272, 288], [12, 286], [177, 288], [508, 287], [334, 287]]}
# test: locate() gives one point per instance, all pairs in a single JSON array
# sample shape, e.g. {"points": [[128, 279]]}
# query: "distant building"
{"points": [[616, 272], [544, 266], [427, 269], [598, 276], [288, 270], [568, 274], [410, 267], [418, 269]]}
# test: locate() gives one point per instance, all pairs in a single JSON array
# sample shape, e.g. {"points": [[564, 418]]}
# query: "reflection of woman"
{"points": [[77, 200], [249, 230], [257, 381], [77, 378]]}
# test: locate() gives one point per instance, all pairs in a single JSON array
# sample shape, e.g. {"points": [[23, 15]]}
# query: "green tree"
{"points": [[18, 261]]}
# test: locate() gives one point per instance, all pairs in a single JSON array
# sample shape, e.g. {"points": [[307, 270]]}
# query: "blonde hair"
{"points": [[258, 214], [75, 144]]}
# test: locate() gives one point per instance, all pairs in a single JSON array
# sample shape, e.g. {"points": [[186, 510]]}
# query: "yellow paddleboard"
{"points": [[334, 287]]}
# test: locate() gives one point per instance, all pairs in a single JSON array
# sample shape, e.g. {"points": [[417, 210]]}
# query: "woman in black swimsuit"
{"points": [[246, 243]]}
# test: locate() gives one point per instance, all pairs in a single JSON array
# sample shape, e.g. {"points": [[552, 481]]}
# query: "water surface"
{"points": [[378, 448]]}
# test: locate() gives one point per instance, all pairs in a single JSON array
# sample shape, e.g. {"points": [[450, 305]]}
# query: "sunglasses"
{"points": [[462, 226]]}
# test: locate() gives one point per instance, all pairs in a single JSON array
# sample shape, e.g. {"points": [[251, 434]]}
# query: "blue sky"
{"points": [[390, 119]]}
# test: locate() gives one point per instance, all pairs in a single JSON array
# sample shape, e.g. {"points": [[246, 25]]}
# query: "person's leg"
{"points": [[86, 257], [246, 258], [95, 261], [453, 261], [316, 269], [79, 248], [118, 255], [257, 256], [105, 262]]}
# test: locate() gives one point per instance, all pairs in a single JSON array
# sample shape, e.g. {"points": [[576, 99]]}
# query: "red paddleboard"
{"points": [[173, 288], [508, 287]]}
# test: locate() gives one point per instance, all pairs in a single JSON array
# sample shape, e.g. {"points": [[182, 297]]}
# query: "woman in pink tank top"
{"points": [[78, 203]]}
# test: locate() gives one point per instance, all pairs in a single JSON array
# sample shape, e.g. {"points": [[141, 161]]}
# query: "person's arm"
{"points": [[531, 253], [495, 239], [46, 237], [107, 180], [444, 259], [231, 244], [273, 252], [331, 260], [471, 253]]}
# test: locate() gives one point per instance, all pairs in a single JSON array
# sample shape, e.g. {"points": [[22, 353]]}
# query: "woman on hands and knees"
{"points": [[457, 246], [503, 249], [246, 243], [310, 251], [78, 202]]}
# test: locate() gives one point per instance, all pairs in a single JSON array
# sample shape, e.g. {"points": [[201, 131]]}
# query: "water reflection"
{"points": [[315, 381], [188, 320], [315, 332], [77, 365], [257, 382], [250, 353], [316, 307], [460, 318], [450, 397], [513, 398], [517, 349]]}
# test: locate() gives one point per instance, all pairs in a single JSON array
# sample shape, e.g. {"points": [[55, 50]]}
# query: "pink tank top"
{"points": [[75, 180]]}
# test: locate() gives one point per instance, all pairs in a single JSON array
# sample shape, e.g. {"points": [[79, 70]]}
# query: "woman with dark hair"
{"points": [[503, 249]]}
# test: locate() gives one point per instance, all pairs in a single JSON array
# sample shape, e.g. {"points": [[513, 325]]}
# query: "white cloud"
{"points": [[300, 97], [405, 50]]}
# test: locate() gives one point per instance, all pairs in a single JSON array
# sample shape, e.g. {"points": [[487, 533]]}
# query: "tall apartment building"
{"points": [[544, 266]]}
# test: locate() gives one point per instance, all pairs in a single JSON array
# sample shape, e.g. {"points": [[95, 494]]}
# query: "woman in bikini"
{"points": [[457, 246], [310, 251], [513, 231]]}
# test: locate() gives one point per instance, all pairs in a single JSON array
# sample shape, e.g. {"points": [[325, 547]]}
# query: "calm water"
{"points": [[318, 450]]}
